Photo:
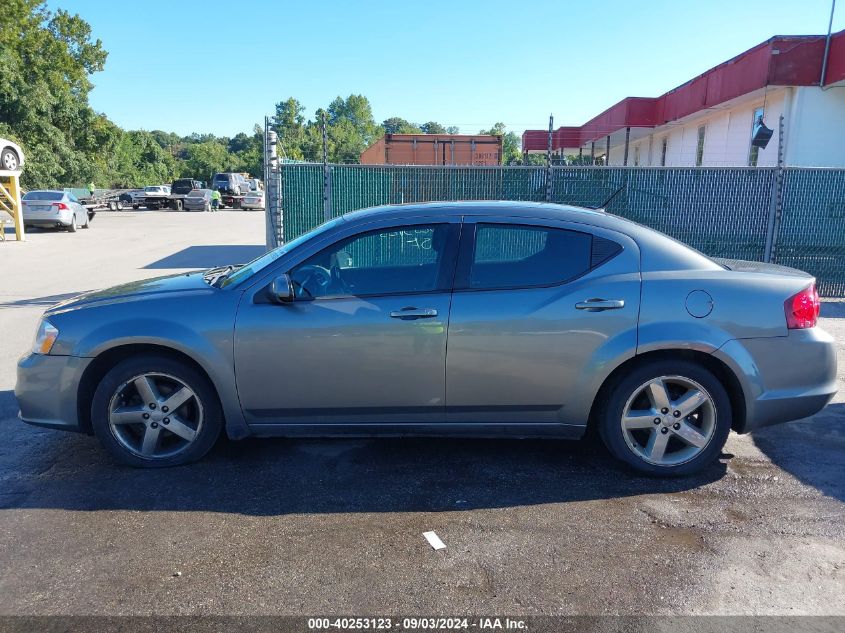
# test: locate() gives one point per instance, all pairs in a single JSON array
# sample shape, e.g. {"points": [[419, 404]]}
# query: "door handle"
{"points": [[413, 313], [598, 305]]}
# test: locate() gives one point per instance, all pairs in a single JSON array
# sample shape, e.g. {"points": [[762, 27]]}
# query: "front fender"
{"points": [[203, 333]]}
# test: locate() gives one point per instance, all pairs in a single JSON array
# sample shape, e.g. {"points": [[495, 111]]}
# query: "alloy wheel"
{"points": [[10, 161], [155, 415], [669, 420]]}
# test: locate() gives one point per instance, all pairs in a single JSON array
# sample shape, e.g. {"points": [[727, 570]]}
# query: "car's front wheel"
{"points": [[154, 411], [666, 418]]}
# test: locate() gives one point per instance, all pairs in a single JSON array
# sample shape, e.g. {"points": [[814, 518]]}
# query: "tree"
{"points": [[45, 61], [289, 124], [206, 159], [433, 127], [398, 125], [511, 144]]}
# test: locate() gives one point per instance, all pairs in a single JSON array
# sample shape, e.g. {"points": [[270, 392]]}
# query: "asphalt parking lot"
{"points": [[335, 526]]}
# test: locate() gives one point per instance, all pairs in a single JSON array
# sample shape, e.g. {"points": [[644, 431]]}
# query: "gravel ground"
{"points": [[335, 526]]}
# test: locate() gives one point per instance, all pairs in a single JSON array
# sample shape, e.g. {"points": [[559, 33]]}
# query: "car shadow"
{"points": [[42, 468], [210, 256], [812, 449]]}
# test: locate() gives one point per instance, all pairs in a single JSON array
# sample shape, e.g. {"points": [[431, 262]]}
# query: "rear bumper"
{"points": [[38, 218], [47, 388], [784, 378]]}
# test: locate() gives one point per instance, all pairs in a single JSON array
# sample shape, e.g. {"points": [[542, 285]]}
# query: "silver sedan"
{"points": [[54, 209], [474, 318]]}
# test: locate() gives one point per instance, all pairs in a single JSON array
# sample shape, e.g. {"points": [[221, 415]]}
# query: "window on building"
{"points": [[636, 155], [754, 152], [663, 148], [699, 149]]}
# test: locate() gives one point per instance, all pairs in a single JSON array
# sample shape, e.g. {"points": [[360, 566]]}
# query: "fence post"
{"points": [[272, 189], [549, 161], [327, 175], [776, 206]]}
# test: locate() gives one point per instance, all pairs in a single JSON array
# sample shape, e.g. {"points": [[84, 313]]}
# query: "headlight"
{"points": [[44, 337]]}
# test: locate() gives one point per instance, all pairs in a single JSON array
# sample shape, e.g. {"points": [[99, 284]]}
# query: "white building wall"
{"points": [[814, 122], [816, 133]]}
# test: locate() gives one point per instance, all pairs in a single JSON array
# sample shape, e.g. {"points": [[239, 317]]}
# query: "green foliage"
{"points": [[398, 125], [511, 143]]}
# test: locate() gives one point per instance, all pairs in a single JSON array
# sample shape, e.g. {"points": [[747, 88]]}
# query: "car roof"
{"points": [[504, 208], [47, 191]]}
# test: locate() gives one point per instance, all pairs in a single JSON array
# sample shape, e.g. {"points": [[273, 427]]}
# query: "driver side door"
{"points": [[363, 342]]}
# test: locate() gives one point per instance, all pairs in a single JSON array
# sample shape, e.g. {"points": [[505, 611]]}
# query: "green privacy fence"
{"points": [[732, 212]]}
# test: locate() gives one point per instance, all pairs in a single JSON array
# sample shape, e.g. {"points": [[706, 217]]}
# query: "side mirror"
{"points": [[281, 290]]}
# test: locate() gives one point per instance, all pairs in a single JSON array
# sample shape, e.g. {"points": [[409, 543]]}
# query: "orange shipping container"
{"points": [[434, 149]]}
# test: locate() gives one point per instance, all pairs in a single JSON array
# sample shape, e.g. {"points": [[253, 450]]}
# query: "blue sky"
{"points": [[464, 63]]}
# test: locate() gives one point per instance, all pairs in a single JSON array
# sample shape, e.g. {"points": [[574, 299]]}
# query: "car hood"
{"points": [[137, 290]]}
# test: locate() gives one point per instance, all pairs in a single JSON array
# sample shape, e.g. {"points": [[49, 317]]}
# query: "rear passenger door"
{"points": [[539, 309]]}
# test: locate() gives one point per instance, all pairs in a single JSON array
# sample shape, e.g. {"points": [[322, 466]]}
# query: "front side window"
{"points": [[407, 259], [517, 256]]}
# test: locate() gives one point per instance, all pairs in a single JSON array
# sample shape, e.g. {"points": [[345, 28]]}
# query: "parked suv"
{"points": [[232, 184]]}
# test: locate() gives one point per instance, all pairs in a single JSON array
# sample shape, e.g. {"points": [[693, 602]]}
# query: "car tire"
{"points": [[73, 225], [112, 205], [87, 224], [691, 442], [126, 441], [177, 205], [9, 160], [120, 205]]}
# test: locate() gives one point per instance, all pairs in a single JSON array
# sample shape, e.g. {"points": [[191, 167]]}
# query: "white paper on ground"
{"points": [[434, 540]]}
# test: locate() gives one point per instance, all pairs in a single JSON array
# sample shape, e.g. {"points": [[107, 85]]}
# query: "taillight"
{"points": [[60, 206], [802, 309]]}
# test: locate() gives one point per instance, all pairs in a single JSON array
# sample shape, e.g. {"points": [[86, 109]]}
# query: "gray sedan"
{"points": [[474, 318], [59, 209]]}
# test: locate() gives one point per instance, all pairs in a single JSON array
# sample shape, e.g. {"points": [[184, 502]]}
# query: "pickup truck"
{"points": [[152, 197]]}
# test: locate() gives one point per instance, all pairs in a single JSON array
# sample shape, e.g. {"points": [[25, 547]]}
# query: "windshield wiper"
{"points": [[213, 275]]}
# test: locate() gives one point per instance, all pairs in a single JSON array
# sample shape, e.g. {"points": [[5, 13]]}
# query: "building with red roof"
{"points": [[708, 121]]}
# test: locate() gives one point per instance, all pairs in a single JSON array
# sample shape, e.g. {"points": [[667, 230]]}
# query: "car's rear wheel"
{"points": [[155, 411], [666, 418], [73, 225]]}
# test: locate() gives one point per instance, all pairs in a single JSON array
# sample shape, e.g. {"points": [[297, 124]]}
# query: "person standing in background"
{"points": [[215, 200]]}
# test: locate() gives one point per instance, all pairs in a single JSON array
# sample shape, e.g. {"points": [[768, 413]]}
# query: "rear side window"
{"points": [[519, 256]]}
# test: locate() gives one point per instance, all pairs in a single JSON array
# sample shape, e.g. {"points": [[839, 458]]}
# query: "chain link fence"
{"points": [[724, 212]]}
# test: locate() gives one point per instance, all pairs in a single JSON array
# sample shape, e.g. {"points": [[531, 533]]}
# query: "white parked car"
{"points": [[11, 155], [253, 200]]}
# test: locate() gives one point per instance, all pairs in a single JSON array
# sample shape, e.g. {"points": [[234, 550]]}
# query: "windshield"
{"points": [[44, 195], [152, 189], [221, 178], [259, 264]]}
